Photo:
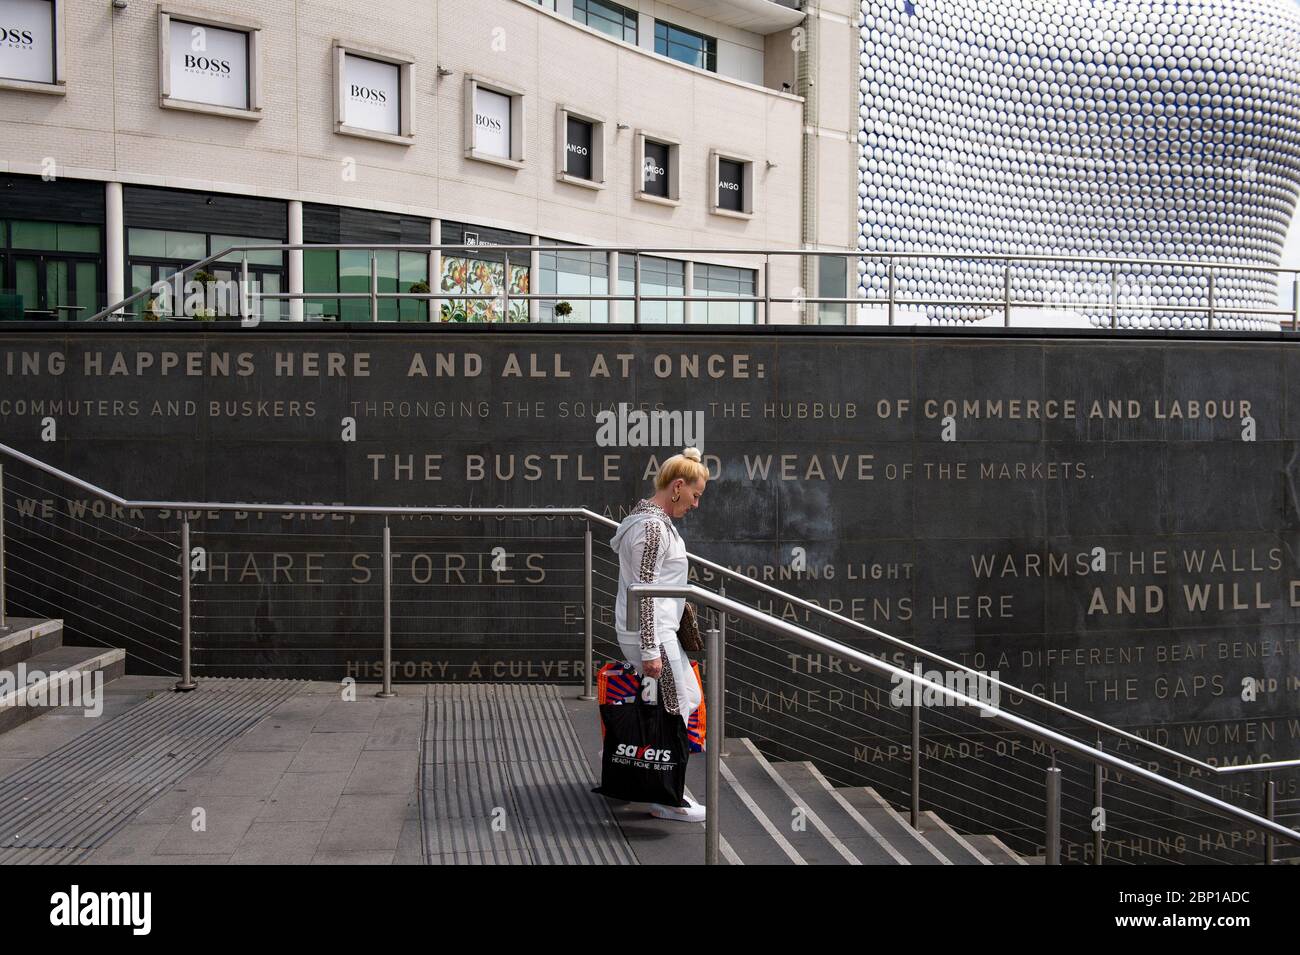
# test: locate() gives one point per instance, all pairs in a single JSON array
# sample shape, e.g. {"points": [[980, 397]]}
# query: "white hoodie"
{"points": [[651, 551]]}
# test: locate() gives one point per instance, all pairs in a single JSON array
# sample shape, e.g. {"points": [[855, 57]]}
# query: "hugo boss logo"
{"points": [[207, 64], [368, 94], [16, 37], [487, 122]]}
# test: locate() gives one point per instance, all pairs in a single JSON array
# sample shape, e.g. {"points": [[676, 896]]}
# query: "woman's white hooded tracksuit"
{"points": [[651, 551]]}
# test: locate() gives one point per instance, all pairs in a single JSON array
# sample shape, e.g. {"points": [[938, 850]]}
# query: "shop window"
{"points": [[656, 173], [733, 185], [373, 95], [208, 65], [723, 280], [575, 272], [658, 277], [580, 158], [32, 46], [609, 18], [494, 122]]}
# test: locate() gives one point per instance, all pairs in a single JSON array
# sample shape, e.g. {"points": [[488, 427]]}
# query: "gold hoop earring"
{"points": [[675, 496]]}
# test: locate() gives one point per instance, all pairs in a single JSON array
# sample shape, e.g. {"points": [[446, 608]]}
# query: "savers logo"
{"points": [[645, 753]]}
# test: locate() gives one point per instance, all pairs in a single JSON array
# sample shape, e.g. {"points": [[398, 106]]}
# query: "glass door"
{"points": [[55, 287]]}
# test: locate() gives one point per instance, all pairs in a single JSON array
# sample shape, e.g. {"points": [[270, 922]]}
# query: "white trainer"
{"points": [[692, 812]]}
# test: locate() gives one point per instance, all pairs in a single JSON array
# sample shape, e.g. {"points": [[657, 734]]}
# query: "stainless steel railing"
{"points": [[1216, 294], [591, 574]]}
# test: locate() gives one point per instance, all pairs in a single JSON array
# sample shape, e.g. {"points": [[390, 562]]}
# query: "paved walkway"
{"points": [[498, 771]]}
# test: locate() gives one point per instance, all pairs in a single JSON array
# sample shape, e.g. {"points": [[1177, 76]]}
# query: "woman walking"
{"points": [[650, 550]]}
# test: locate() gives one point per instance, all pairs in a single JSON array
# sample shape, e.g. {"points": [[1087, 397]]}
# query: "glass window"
{"points": [[618, 22], [573, 273], [723, 280], [266, 257], [686, 46], [655, 174], [731, 185], [55, 236], [34, 235], [480, 277], [578, 152], [832, 282], [658, 277]]}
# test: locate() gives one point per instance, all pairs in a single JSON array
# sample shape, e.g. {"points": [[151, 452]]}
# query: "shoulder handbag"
{"points": [[688, 631]]}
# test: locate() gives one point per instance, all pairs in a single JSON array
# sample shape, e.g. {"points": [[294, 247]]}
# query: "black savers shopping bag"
{"points": [[645, 753]]}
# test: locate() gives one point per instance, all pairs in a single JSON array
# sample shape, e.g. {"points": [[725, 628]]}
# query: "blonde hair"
{"points": [[688, 466]]}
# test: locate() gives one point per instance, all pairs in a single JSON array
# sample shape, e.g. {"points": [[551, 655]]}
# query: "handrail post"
{"points": [[1270, 813], [1053, 826], [587, 652], [1114, 298], [505, 289], [1006, 295], [767, 288], [719, 718], [891, 292], [4, 626], [1211, 297], [916, 757], [636, 289], [243, 287], [712, 752], [374, 286], [387, 691], [1295, 302], [1098, 827], [186, 681]]}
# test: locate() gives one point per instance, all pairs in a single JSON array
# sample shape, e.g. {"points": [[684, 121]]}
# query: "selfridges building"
{"points": [[1107, 128]]}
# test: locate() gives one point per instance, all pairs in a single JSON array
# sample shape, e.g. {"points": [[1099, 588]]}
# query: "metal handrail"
{"points": [[583, 513], [1107, 300], [1041, 733]]}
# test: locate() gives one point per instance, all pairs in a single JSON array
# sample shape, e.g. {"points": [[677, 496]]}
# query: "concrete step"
{"points": [[948, 841], [790, 824], [27, 637], [39, 676], [914, 846], [996, 851], [849, 825]]}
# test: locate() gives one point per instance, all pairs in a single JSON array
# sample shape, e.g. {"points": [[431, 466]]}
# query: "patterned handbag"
{"points": [[688, 631]]}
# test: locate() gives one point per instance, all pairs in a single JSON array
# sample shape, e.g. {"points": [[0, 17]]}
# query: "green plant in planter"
{"points": [[419, 288], [563, 309], [150, 313]]}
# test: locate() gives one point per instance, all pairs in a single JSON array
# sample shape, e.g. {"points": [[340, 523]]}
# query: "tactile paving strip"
{"points": [[61, 806], [504, 781]]}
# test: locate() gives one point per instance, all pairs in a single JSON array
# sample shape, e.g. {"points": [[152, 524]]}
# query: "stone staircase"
{"points": [[787, 813], [32, 655]]}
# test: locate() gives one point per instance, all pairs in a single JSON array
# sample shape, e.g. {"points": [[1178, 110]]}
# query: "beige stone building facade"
{"points": [[137, 137]]}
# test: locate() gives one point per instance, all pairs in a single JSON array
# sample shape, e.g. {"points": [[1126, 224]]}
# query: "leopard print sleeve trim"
{"points": [[649, 561]]}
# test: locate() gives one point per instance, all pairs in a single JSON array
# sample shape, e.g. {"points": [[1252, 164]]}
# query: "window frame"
{"points": [[710, 46], [625, 11], [58, 86], [716, 157], [405, 84], [674, 196], [473, 83], [563, 114], [252, 31]]}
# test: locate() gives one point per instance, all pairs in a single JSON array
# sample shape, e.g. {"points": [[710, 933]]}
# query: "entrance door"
{"points": [[55, 287]]}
